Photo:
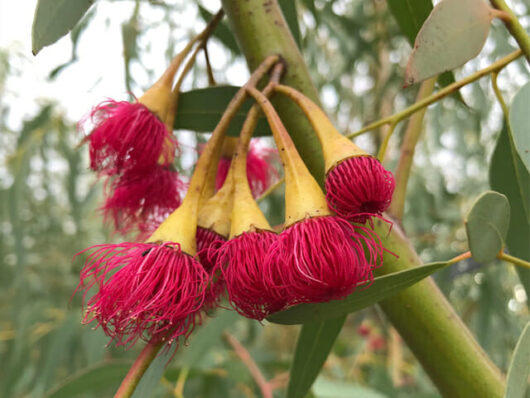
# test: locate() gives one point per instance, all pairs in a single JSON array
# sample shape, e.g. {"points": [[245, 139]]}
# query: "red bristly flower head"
{"points": [[324, 258], [249, 284], [142, 199], [143, 291], [208, 244], [359, 187], [128, 137], [261, 172]]}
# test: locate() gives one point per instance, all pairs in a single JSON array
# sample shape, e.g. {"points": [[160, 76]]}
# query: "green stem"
{"points": [[137, 370], [271, 189], [261, 30], [411, 138], [514, 27], [421, 314], [397, 117], [514, 260]]}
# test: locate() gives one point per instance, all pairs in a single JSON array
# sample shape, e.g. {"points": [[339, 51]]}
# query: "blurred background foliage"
{"points": [[356, 54]]}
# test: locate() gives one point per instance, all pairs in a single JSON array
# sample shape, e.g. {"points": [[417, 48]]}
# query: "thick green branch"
{"points": [[421, 314], [261, 30]]}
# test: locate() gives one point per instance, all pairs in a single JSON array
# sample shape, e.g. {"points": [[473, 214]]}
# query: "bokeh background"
{"points": [[49, 199]]}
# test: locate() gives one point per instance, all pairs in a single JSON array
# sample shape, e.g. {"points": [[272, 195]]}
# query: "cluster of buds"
{"points": [[217, 239]]}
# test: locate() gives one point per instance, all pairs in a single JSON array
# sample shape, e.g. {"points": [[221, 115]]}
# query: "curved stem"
{"points": [[271, 189], [514, 27], [246, 358], [397, 117], [384, 145], [137, 370], [411, 138], [514, 260]]}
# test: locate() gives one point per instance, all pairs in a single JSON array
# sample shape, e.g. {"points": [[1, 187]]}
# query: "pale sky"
{"points": [[99, 71]]}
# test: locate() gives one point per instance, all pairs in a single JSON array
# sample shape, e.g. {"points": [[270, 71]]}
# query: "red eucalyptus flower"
{"points": [[144, 290], [208, 244], [324, 258], [260, 170], [128, 137], [142, 198], [318, 257], [249, 285], [359, 187]]}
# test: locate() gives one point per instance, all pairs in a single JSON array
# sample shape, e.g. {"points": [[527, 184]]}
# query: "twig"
{"points": [[412, 135], [514, 260], [243, 354], [137, 370], [271, 189], [514, 26], [459, 258], [397, 117]]}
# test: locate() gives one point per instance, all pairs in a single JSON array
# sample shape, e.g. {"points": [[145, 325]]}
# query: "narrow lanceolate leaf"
{"points": [[95, 380], [381, 288], [487, 226], [200, 110], [454, 33], [314, 344], [517, 380], [520, 124], [55, 18], [509, 176]]}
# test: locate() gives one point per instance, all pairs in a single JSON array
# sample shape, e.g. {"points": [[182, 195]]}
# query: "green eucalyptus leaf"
{"points": [[151, 378], [487, 226], [520, 124], [454, 33], [381, 288], [517, 379], [509, 176], [55, 18], [93, 380], [314, 344], [410, 16], [200, 110]]}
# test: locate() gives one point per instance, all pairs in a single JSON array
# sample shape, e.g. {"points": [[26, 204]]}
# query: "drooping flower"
{"points": [[319, 256], [208, 245], [260, 165], [325, 258], [357, 185], [144, 290], [241, 260], [142, 199], [128, 137], [152, 290], [243, 268], [370, 194]]}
